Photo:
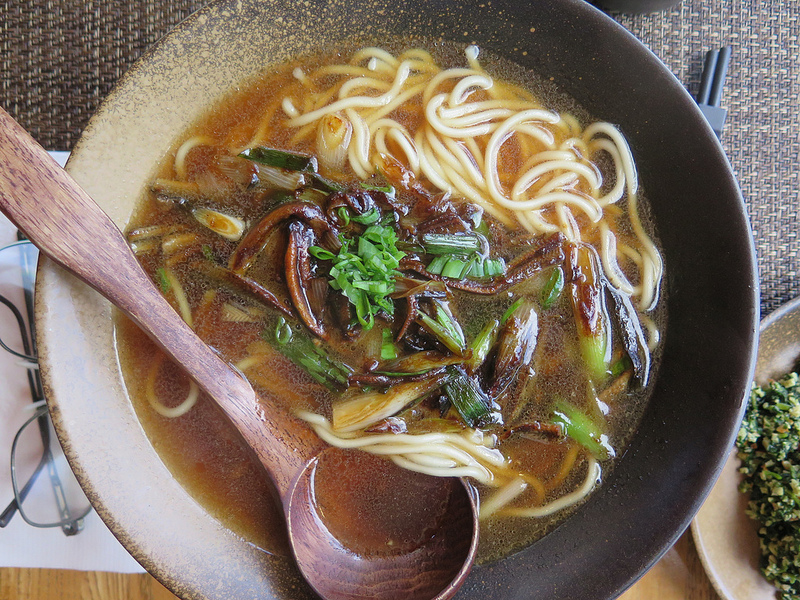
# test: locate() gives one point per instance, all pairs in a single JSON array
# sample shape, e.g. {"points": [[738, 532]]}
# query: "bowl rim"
{"points": [[139, 70]]}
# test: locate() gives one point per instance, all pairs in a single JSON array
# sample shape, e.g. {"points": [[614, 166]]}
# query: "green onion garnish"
{"points": [[281, 159], [365, 274]]}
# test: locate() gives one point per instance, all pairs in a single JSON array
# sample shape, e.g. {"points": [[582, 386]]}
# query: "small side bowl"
{"points": [[726, 538]]}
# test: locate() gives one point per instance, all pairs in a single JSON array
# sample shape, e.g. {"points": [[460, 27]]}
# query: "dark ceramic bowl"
{"points": [[711, 291]]}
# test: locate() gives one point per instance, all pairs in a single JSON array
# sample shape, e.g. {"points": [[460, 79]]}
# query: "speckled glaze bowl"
{"points": [[712, 296]]}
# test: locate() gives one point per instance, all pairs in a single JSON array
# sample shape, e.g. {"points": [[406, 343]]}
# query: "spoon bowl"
{"points": [[432, 562]]}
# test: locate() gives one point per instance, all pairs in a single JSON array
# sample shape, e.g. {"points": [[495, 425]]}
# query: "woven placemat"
{"points": [[59, 58]]}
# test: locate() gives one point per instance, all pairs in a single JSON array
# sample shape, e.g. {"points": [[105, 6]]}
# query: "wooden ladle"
{"points": [[436, 553]]}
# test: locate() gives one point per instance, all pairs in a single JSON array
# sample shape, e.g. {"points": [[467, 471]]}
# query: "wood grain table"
{"points": [[679, 575]]}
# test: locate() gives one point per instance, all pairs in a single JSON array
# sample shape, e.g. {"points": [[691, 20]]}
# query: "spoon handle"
{"points": [[60, 218]]}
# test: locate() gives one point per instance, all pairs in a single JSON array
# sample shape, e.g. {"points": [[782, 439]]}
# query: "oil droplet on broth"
{"points": [[373, 507]]}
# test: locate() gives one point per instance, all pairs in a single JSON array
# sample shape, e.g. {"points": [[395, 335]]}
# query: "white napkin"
{"points": [[94, 548]]}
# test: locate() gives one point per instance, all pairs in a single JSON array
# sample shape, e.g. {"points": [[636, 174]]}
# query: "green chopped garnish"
{"points": [[483, 343], [450, 243], [456, 268], [387, 189], [208, 254], [388, 348], [768, 442], [344, 215], [364, 270], [445, 328]]}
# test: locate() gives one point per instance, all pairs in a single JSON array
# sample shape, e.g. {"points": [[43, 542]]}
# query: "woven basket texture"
{"points": [[60, 58]]}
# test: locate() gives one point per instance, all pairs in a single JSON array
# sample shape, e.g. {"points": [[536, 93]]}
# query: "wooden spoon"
{"points": [[435, 554]]}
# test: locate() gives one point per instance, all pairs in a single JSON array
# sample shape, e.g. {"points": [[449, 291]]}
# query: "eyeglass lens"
{"points": [[54, 497], [46, 493]]}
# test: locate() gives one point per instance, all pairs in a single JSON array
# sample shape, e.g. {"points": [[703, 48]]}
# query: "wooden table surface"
{"points": [[678, 575]]}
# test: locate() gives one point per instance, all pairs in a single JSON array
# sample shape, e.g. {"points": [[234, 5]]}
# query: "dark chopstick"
{"points": [[712, 80]]}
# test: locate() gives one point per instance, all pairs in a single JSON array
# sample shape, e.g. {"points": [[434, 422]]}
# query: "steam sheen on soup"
{"points": [[419, 258]]}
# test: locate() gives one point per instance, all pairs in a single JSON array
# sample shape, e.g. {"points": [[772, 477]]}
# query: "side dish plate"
{"points": [[726, 538]]}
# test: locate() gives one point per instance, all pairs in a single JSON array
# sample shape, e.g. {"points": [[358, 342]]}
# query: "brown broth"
{"points": [[207, 456]]}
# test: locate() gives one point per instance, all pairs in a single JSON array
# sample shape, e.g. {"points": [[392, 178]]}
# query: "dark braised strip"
{"points": [[412, 306], [241, 283], [298, 275], [549, 430], [633, 338], [517, 342], [381, 380], [584, 280], [548, 254], [256, 239]]}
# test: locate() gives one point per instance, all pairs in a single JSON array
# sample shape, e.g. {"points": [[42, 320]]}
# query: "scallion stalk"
{"points": [[445, 328], [388, 347], [298, 347], [482, 344], [450, 243], [471, 403], [281, 159], [583, 429]]}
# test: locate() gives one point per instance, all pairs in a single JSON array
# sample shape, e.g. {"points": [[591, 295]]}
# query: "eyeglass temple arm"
{"points": [[13, 506]]}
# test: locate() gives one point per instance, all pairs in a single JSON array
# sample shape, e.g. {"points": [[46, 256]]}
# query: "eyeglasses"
{"points": [[54, 500]]}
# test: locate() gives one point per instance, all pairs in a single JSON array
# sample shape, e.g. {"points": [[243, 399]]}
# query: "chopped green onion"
{"points": [[581, 428], [328, 186], [388, 349], [482, 227], [344, 215], [281, 159], [435, 266], [321, 253], [366, 276], [553, 288], [449, 243], [494, 267], [477, 269], [456, 268], [471, 403], [387, 189], [208, 254]]}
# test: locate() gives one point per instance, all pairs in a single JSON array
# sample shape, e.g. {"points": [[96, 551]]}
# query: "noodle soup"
{"points": [[422, 259]]}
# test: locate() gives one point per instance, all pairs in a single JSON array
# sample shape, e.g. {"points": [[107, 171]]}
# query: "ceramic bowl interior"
{"points": [[712, 298]]}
